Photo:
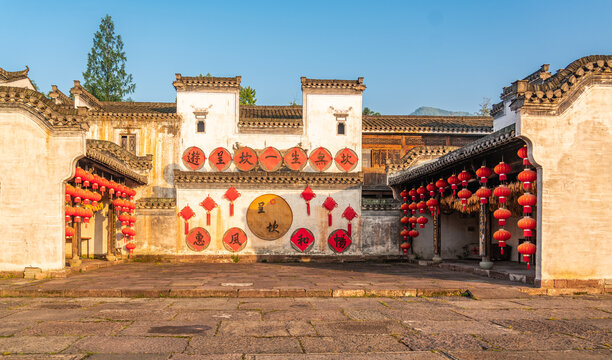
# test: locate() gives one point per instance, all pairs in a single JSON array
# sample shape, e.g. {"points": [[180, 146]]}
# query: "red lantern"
{"points": [[464, 194], [208, 204], [87, 178], [87, 214], [502, 214], [78, 195], [422, 220], [329, 204], [77, 214], [413, 207], [464, 177], [404, 220], [404, 208], [130, 247], [502, 169], [95, 182], [112, 188], [453, 180], [483, 173], [527, 177], [432, 189], [404, 195], [421, 191], [186, 213], [483, 193], [231, 194], [432, 204], [68, 212], [413, 233], [69, 190], [527, 224], [527, 200], [502, 192], [125, 219], [422, 205], [308, 195], [404, 233], [69, 232], [522, 153], [527, 249], [78, 175], [349, 214], [502, 235], [104, 184], [441, 185], [405, 246], [412, 220]]}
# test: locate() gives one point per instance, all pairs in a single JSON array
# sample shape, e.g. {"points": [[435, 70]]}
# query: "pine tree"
{"points": [[105, 77]]}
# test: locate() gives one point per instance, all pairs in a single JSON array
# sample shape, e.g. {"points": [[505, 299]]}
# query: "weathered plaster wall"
{"points": [[573, 150], [456, 231], [380, 233], [509, 117], [35, 161]]}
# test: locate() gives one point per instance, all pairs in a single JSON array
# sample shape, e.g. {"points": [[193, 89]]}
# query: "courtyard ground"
{"points": [[321, 311]]}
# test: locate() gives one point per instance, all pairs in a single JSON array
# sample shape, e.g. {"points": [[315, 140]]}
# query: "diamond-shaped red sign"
{"points": [[270, 159], [329, 203], [194, 158], [302, 239], [320, 159], [187, 213], [339, 240], [220, 159], [208, 203], [234, 239], [346, 160], [245, 159], [295, 158], [198, 239], [349, 213], [232, 194]]}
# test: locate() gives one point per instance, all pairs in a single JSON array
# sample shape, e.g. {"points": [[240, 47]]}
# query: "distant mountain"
{"points": [[426, 110]]}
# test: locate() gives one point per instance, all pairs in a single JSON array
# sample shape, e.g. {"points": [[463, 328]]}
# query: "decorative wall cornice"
{"points": [[333, 84], [426, 124], [182, 178], [412, 157], [120, 160], [13, 75], [185, 82], [156, 203], [380, 204]]}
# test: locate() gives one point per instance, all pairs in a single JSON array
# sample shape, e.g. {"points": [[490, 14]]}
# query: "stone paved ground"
{"points": [[307, 328], [260, 279]]}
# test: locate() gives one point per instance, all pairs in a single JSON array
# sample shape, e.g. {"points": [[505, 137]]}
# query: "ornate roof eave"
{"points": [[488, 143], [194, 82], [135, 116], [80, 90], [156, 203], [268, 123], [111, 162], [552, 94], [485, 130], [417, 152], [333, 84], [14, 75], [259, 178], [58, 117], [141, 163]]}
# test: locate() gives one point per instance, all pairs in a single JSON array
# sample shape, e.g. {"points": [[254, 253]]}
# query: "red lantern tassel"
{"points": [[208, 219], [329, 219], [308, 208], [349, 229], [186, 227], [231, 209], [501, 250]]}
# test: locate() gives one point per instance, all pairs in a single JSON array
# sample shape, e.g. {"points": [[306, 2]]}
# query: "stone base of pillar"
{"points": [[110, 257], [436, 259], [486, 265], [74, 262]]}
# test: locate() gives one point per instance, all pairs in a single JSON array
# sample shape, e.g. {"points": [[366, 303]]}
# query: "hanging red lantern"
{"points": [[432, 189], [502, 192], [405, 207], [464, 194], [118, 204], [413, 207], [527, 201], [527, 177], [413, 194], [78, 175], [95, 198], [186, 213], [522, 153], [208, 204], [502, 235], [405, 246], [432, 204], [453, 180], [441, 185], [527, 224], [111, 188], [95, 182], [483, 193], [483, 173], [527, 249], [422, 191], [69, 191], [87, 177], [231, 194], [413, 233], [103, 185], [404, 195], [77, 214], [464, 177], [501, 215], [404, 220], [422, 205], [329, 204], [404, 233], [349, 214], [128, 233], [502, 169], [130, 246], [422, 220], [125, 219], [68, 213], [413, 221], [77, 195], [69, 232], [308, 195]]}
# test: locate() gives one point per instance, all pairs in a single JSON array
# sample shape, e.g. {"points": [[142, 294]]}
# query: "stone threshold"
{"points": [[86, 265], [265, 258]]}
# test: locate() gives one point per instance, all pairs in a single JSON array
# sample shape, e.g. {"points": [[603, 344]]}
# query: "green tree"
{"points": [[247, 96], [485, 107], [367, 111], [105, 77]]}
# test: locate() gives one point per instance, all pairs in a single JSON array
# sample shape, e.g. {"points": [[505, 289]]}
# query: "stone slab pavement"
{"points": [[306, 328], [265, 280]]}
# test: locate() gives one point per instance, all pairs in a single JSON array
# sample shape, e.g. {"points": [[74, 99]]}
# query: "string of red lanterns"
{"points": [[405, 246], [527, 200]]}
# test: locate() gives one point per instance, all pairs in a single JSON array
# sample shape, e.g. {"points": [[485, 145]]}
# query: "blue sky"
{"points": [[447, 54]]}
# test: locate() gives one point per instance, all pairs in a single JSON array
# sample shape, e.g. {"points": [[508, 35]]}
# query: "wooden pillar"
{"points": [[110, 216], [484, 237], [437, 241], [76, 240]]}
